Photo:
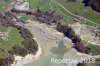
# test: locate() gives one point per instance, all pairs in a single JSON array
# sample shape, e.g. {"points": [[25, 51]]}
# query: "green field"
{"points": [[43, 4], [73, 7], [3, 5], [80, 9], [95, 49], [14, 37], [24, 18]]}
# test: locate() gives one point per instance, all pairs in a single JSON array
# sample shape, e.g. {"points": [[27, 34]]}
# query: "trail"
{"points": [[74, 14]]}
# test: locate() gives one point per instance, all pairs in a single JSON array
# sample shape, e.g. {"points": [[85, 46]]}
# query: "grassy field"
{"points": [[81, 10], [95, 49], [25, 18], [3, 5], [43, 4], [14, 38], [67, 17], [73, 7]]}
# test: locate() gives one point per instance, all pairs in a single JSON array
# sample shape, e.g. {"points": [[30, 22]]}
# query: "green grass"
{"points": [[3, 5], [78, 7], [74, 7], [25, 18], [67, 17], [43, 4], [95, 49], [14, 38]]}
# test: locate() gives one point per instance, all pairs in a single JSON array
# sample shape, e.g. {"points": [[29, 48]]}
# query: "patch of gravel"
{"points": [[87, 32]]}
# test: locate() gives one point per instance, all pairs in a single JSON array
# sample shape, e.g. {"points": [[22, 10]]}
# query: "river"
{"points": [[53, 45]]}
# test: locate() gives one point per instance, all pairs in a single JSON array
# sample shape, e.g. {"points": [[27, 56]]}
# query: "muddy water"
{"points": [[45, 60], [52, 44]]}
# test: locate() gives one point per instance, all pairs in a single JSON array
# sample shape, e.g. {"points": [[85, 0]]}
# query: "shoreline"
{"points": [[21, 61]]}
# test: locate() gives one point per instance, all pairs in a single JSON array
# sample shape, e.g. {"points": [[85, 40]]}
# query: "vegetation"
{"points": [[14, 38], [80, 9], [7, 60], [77, 8], [21, 41], [53, 18], [95, 49], [16, 45], [74, 7], [70, 33], [19, 50], [43, 4], [3, 5], [94, 4], [24, 18]]}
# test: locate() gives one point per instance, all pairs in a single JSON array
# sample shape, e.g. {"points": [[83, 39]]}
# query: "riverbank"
{"points": [[87, 33], [20, 61]]}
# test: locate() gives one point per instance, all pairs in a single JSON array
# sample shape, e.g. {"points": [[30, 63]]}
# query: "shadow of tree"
{"points": [[60, 50]]}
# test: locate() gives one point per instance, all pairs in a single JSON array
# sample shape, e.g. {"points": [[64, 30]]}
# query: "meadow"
{"points": [[14, 38], [95, 49], [81, 10], [73, 7]]}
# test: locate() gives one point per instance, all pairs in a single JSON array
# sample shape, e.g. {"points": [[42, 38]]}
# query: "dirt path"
{"points": [[74, 14]]}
